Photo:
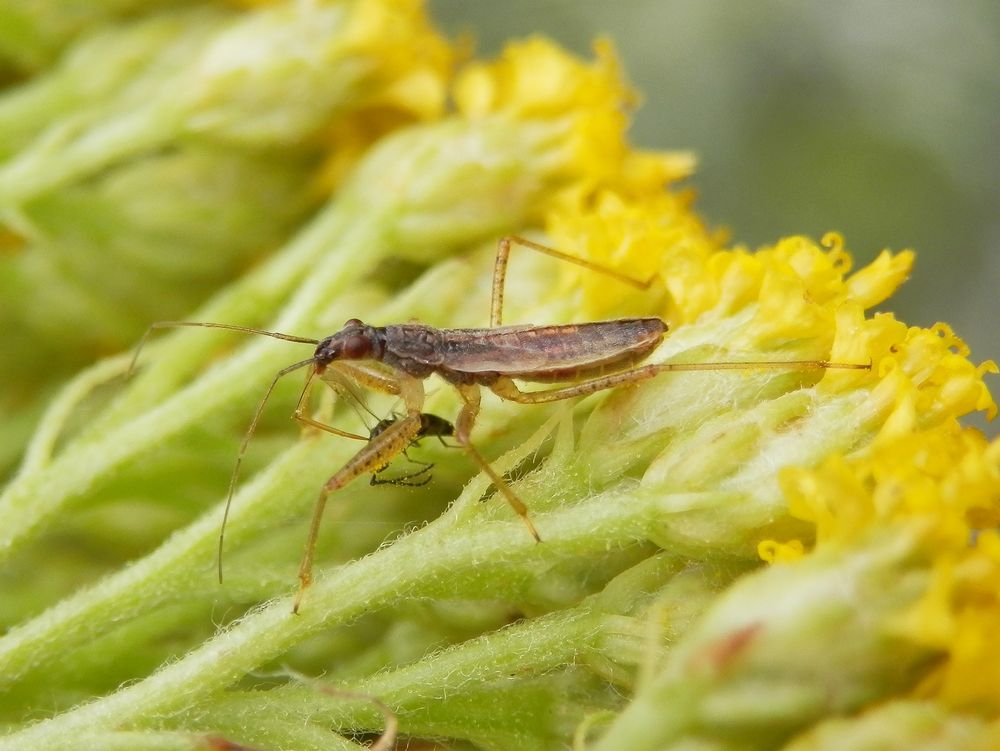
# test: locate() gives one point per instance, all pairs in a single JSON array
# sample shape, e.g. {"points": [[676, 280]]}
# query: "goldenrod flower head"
{"points": [[535, 80], [656, 234], [920, 377], [940, 489], [413, 59], [947, 476], [901, 473], [801, 294], [965, 605], [796, 285], [409, 82], [528, 134]]}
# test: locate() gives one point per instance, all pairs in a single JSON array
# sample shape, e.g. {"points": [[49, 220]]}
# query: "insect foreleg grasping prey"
{"points": [[396, 359]]}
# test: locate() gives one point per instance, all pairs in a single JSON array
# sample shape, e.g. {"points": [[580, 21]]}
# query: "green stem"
{"points": [[531, 648], [490, 555], [81, 152], [35, 499], [129, 740]]}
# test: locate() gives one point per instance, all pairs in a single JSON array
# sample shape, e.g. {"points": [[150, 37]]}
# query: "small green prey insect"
{"points": [[430, 425], [396, 359]]}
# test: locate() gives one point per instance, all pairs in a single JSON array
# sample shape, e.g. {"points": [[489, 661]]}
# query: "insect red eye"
{"points": [[356, 347]]}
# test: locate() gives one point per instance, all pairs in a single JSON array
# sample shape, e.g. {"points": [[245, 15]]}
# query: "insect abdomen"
{"points": [[550, 353]]}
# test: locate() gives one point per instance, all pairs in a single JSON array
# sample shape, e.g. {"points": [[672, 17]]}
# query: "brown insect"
{"points": [[395, 359]]}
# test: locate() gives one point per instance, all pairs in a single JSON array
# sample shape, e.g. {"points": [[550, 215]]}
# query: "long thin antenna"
{"points": [[246, 441], [207, 325]]}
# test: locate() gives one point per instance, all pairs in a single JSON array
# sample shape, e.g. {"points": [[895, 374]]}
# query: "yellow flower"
{"points": [[535, 80], [942, 488], [920, 377], [960, 616], [409, 83], [772, 551], [879, 279], [804, 301], [797, 285], [948, 477], [414, 61], [637, 236]]}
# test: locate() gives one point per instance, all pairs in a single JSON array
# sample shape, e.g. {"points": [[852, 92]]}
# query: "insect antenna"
{"points": [[246, 441], [208, 325]]}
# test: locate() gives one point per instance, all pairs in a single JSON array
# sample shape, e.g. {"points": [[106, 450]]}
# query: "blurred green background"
{"points": [[876, 118]]}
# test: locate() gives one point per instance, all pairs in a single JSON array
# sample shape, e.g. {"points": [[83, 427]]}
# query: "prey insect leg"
{"points": [[404, 480], [429, 425]]}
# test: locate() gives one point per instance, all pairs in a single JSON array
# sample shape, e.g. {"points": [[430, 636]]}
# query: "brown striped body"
{"points": [[542, 354]]}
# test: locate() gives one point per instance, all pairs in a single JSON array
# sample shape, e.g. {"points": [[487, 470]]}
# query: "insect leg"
{"points": [[429, 425], [463, 426], [404, 479], [377, 380], [377, 453], [243, 449], [505, 388], [302, 407], [425, 467], [500, 270]]}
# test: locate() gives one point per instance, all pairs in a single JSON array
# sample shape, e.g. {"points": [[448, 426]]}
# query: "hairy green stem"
{"points": [[483, 555]]}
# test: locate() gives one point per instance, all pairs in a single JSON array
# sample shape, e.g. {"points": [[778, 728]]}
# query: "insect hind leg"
{"points": [[502, 257]]}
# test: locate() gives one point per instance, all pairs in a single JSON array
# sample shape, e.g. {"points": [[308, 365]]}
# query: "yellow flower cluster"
{"points": [[536, 80], [940, 487], [917, 473], [409, 83], [804, 300]]}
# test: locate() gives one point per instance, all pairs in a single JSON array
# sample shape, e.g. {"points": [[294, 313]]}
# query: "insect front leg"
{"points": [[300, 414], [372, 456], [377, 379], [463, 427]]}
